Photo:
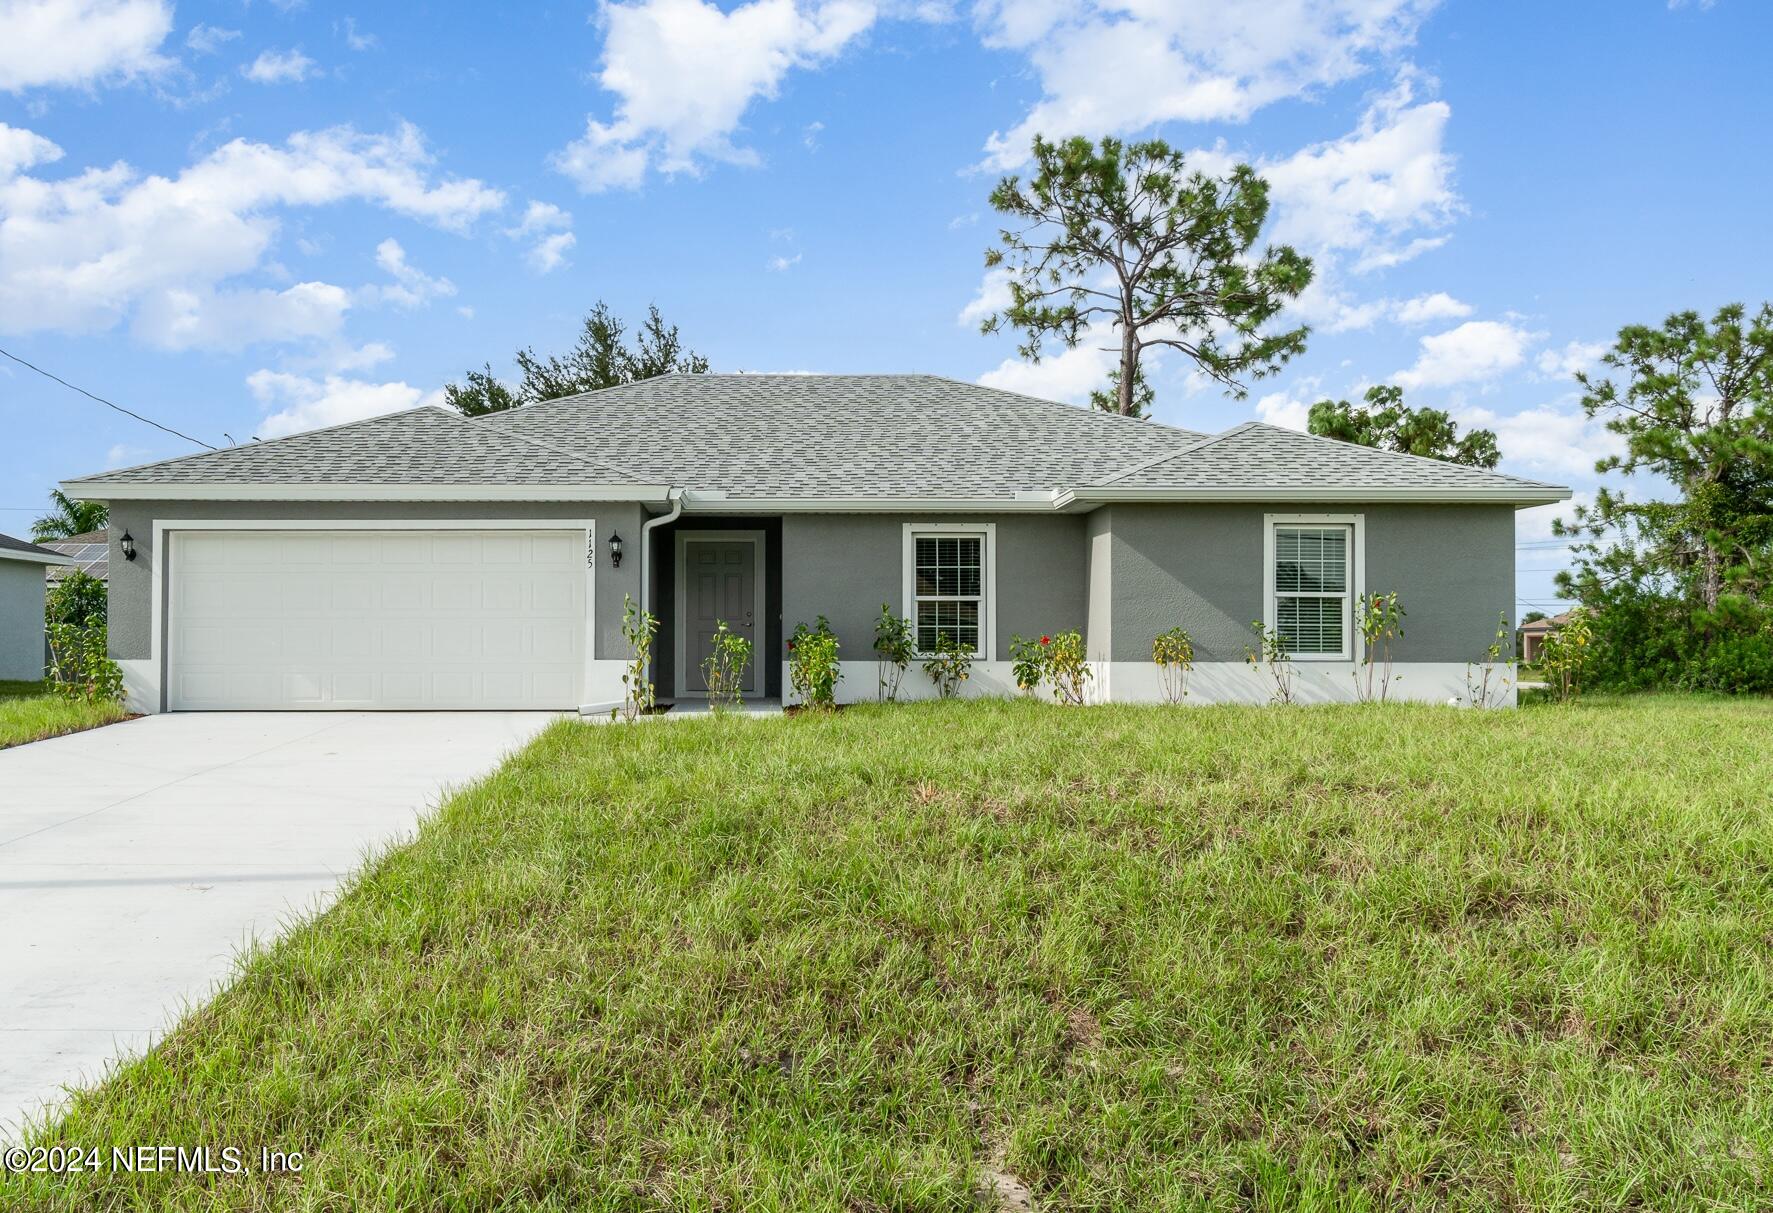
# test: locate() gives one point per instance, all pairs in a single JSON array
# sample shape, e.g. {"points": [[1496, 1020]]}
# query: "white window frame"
{"points": [[987, 531], [1357, 573]]}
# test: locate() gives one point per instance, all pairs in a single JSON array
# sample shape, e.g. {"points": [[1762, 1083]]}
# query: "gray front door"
{"points": [[722, 577]]}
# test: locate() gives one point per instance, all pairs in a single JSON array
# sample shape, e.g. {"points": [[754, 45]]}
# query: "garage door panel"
{"points": [[411, 619]]}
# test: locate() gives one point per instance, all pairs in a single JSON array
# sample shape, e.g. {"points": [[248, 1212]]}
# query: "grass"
{"points": [[29, 712], [947, 955]]}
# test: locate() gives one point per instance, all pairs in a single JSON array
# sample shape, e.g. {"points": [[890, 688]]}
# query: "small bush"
{"points": [[949, 665], [1068, 666], [813, 667], [1271, 655], [78, 598], [724, 670], [80, 667], [1028, 662], [638, 628], [895, 644], [1173, 651], [1567, 654]]}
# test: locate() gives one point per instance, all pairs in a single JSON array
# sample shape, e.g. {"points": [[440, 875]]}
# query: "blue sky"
{"points": [[247, 219]]}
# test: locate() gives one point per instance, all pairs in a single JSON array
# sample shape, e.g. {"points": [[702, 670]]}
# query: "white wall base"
{"points": [[141, 684], [1441, 682], [603, 682]]}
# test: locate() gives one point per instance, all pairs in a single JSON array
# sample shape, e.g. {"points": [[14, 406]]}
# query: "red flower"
{"points": [[1046, 640], [790, 646]]}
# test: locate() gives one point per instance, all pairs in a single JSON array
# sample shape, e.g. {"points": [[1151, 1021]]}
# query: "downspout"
{"points": [[675, 497]]}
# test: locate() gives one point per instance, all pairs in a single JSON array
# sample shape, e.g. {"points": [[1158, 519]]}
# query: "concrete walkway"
{"points": [[137, 859]]}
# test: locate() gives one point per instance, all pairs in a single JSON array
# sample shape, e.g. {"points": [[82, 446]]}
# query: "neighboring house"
{"points": [[90, 553], [22, 566], [426, 560], [1533, 636]]}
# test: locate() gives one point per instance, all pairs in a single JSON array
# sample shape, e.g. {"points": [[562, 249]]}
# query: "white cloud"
{"points": [[1576, 356], [298, 403], [200, 317], [1070, 375], [121, 455], [809, 135], [1550, 441], [1368, 189], [993, 297], [1426, 309], [20, 149], [1477, 350], [779, 263], [548, 227], [684, 73], [1117, 66], [1282, 408], [208, 39], [78, 43], [549, 253], [85, 252], [358, 41], [412, 287], [280, 67]]}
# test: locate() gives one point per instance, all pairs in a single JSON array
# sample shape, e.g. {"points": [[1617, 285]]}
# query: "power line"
{"points": [[108, 404]]}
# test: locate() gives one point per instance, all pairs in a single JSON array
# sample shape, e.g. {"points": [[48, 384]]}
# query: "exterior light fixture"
{"points": [[615, 550], [127, 543]]}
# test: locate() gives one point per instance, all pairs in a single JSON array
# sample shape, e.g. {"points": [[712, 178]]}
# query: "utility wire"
{"points": [[108, 404]]}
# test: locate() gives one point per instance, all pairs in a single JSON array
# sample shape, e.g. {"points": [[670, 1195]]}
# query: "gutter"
{"points": [[675, 497]]}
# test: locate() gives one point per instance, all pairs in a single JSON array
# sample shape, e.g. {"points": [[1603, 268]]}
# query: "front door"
{"points": [[720, 585]]}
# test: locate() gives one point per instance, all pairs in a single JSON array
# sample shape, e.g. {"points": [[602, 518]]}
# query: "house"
{"points": [[22, 566], [1533, 636], [426, 560], [90, 553]]}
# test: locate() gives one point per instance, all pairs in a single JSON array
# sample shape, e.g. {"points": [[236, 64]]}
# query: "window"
{"points": [[1313, 565], [948, 579]]}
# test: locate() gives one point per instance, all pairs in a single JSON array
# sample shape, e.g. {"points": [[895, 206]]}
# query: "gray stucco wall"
{"points": [[845, 565], [1200, 566], [132, 581], [21, 620]]}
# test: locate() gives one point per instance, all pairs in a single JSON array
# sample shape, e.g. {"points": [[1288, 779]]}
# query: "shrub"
{"points": [[1379, 620], [895, 644], [724, 670], [813, 668], [1173, 651], [1067, 666], [1028, 662], [79, 666], [1270, 655], [638, 629], [79, 599], [949, 665], [1567, 655], [1484, 687]]}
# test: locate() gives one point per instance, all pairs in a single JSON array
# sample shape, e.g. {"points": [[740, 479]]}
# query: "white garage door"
{"points": [[376, 619]]}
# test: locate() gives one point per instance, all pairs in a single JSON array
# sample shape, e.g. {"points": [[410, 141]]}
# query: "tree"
{"points": [[1126, 234], [1387, 423], [78, 599], [600, 359], [69, 518], [1695, 408]]}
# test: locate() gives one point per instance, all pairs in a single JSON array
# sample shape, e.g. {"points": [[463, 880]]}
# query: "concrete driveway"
{"points": [[137, 859]]}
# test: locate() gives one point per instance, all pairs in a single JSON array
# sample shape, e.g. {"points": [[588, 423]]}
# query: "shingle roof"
{"points": [[849, 436], [811, 438], [429, 445], [1255, 456], [18, 549]]}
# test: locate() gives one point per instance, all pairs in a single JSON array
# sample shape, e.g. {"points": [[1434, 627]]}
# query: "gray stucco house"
{"points": [[425, 560], [22, 586]]}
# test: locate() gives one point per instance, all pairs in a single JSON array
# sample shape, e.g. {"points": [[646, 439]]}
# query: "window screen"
{"points": [[949, 589], [1311, 587]]}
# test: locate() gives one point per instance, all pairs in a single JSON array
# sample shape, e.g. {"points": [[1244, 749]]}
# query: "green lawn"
{"points": [[28, 712], [922, 957]]}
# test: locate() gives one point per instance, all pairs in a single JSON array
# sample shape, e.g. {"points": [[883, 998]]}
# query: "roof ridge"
{"points": [[1442, 463], [1117, 418], [1166, 456]]}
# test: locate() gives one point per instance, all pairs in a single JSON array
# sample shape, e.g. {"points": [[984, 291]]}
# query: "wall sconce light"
{"points": [[127, 543], [615, 550]]}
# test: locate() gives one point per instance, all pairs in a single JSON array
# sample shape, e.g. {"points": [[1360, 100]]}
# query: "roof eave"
{"points": [[1519, 496], [101, 490], [35, 557]]}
